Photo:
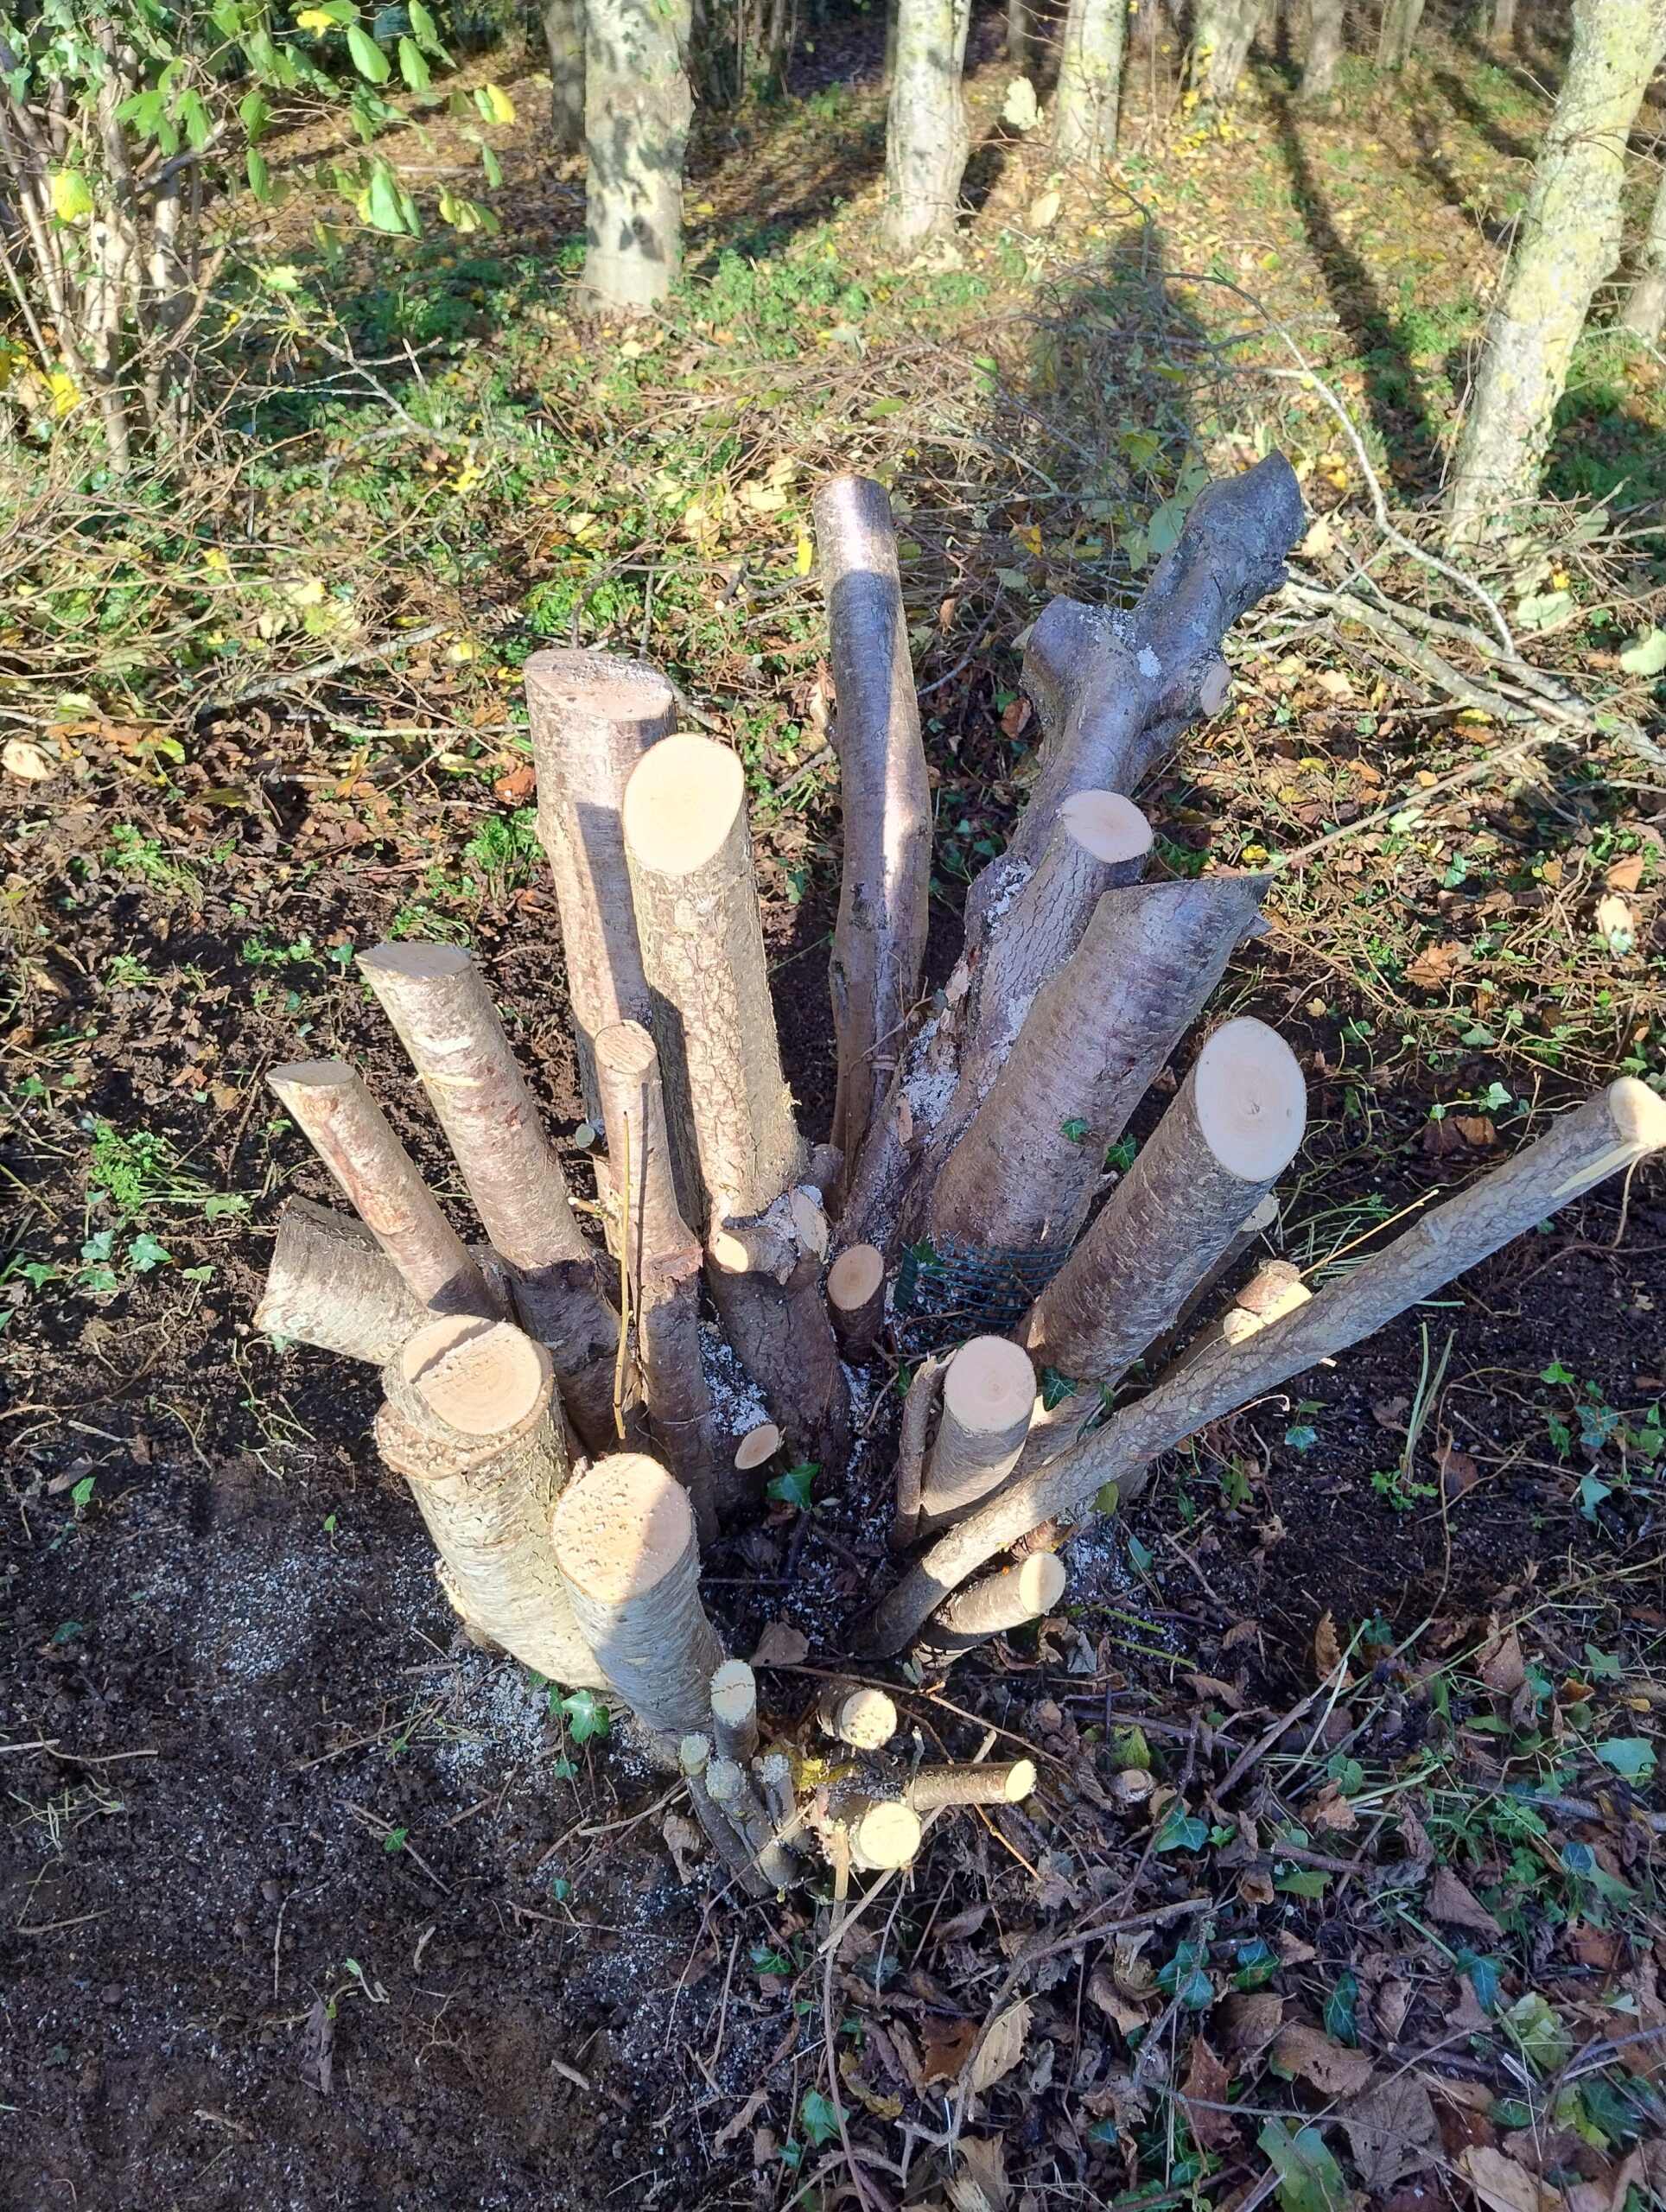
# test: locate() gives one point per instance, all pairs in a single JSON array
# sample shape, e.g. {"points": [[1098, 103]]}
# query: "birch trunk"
{"points": [[1087, 102], [926, 138], [637, 110], [1606, 1135], [1568, 242], [1645, 310], [1326, 41], [1397, 33], [1018, 34], [563, 33]]}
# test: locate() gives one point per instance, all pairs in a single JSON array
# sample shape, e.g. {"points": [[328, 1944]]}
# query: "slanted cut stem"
{"points": [[988, 1394], [593, 716], [694, 1758], [1023, 1175], [468, 1424], [732, 1792], [1017, 1595], [626, 1547], [855, 1299], [1612, 1132], [439, 1006], [878, 939], [330, 1105], [331, 1284], [917, 1409]]}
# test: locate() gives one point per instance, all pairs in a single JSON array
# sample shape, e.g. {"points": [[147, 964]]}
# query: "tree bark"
{"points": [[626, 1547], [637, 110], [1645, 310], [1327, 42], [348, 1130], [1568, 242], [1022, 1177], [1397, 33], [442, 1014], [1012, 1599], [593, 716], [563, 33], [1018, 34], [878, 939], [1086, 105], [988, 1395], [766, 1283], [468, 1424], [1612, 1131], [934, 1788], [1223, 32], [663, 1257], [1502, 27], [926, 138], [331, 1284]]}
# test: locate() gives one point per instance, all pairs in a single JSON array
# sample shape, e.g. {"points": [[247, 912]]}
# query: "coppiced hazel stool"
{"points": [[972, 1124]]}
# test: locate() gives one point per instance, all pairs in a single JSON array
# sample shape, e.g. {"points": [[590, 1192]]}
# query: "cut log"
{"points": [[878, 939], [734, 1710], [626, 1547], [1232, 1129], [1612, 1132], [468, 1424], [988, 1395], [347, 1129], [1012, 1599], [935, 1787], [855, 1713], [331, 1284], [442, 1014], [777, 1324], [593, 716], [855, 1299], [690, 854], [1022, 1177], [664, 1258], [882, 1835]]}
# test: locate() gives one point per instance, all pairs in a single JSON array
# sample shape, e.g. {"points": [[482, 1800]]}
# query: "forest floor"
{"points": [[305, 1904]]}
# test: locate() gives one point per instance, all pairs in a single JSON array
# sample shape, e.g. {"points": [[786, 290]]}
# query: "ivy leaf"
{"points": [[81, 1495], [1309, 2178], [1302, 1437], [1554, 1373], [1182, 1831], [586, 1715], [1055, 1388], [1630, 1756], [394, 1840], [146, 1252], [818, 2117], [1073, 1132], [1340, 2003], [794, 1487]]}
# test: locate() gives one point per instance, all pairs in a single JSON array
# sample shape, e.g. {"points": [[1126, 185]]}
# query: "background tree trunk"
{"points": [[1223, 32], [1398, 34], [1502, 27], [1326, 39], [926, 139], [1645, 306], [637, 107], [1568, 242], [563, 32], [1018, 34], [1085, 107]]}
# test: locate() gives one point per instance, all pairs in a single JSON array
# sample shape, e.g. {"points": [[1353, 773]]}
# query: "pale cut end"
{"points": [[625, 1047], [1041, 1582], [415, 961], [621, 1528], [315, 1074], [854, 1276], [867, 1719], [1640, 1114], [1020, 1780], [756, 1445], [602, 684], [1262, 1219], [729, 1252], [692, 1752], [990, 1385], [1251, 1099], [887, 1834], [734, 1692], [681, 804], [482, 1377], [1212, 688], [1107, 825]]}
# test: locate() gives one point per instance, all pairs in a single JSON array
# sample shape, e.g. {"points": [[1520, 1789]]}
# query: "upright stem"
{"points": [[1645, 310], [1327, 42]]}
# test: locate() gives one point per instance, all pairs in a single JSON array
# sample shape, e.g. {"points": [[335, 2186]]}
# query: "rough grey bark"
{"points": [[926, 138], [1018, 34], [1327, 39], [563, 33], [637, 109], [1609, 1134], [1568, 242], [764, 1279], [1088, 101], [1645, 310], [1397, 33], [1501, 26], [1223, 32], [331, 1284]]}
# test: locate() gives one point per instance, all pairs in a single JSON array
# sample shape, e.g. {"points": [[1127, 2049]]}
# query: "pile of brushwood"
{"points": [[573, 1420]]}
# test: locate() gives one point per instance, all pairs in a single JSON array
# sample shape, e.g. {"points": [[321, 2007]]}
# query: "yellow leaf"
{"points": [[806, 560], [1044, 211], [65, 393], [503, 108], [465, 648], [72, 196], [314, 19]]}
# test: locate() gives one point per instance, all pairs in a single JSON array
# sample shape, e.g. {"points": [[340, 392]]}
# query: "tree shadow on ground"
{"points": [[1480, 118]]}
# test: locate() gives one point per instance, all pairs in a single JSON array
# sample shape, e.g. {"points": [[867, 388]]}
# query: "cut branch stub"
{"points": [[756, 1446], [442, 1014], [855, 1299], [593, 716], [690, 852], [935, 1788], [776, 1321], [734, 1710], [348, 1130], [878, 939], [857, 1714], [468, 1424], [664, 1259], [1017, 1595], [1234, 1126], [1022, 1177], [625, 1546], [1612, 1131], [988, 1394], [882, 1834], [331, 1284]]}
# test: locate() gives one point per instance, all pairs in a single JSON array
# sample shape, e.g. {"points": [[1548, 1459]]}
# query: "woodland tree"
{"points": [[638, 104], [1645, 310], [1086, 104], [1568, 242], [564, 34], [1326, 37], [925, 136], [1223, 32], [1397, 33]]}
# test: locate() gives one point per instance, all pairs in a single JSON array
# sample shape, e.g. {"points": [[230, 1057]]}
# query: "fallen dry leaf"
{"points": [[1459, 1472], [1015, 719], [1126, 2015], [1327, 1649], [1615, 917], [1330, 1810], [781, 1646], [1602, 1947], [1319, 2058], [1002, 2049], [883, 2106], [1502, 1667], [22, 759], [686, 1843], [517, 786], [943, 2046], [743, 2120], [980, 2185], [1390, 2002], [1624, 874], [1390, 1413], [1475, 1129], [1248, 2022], [1204, 2096], [1433, 966], [1392, 2132], [1503, 2186], [1449, 1899]]}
